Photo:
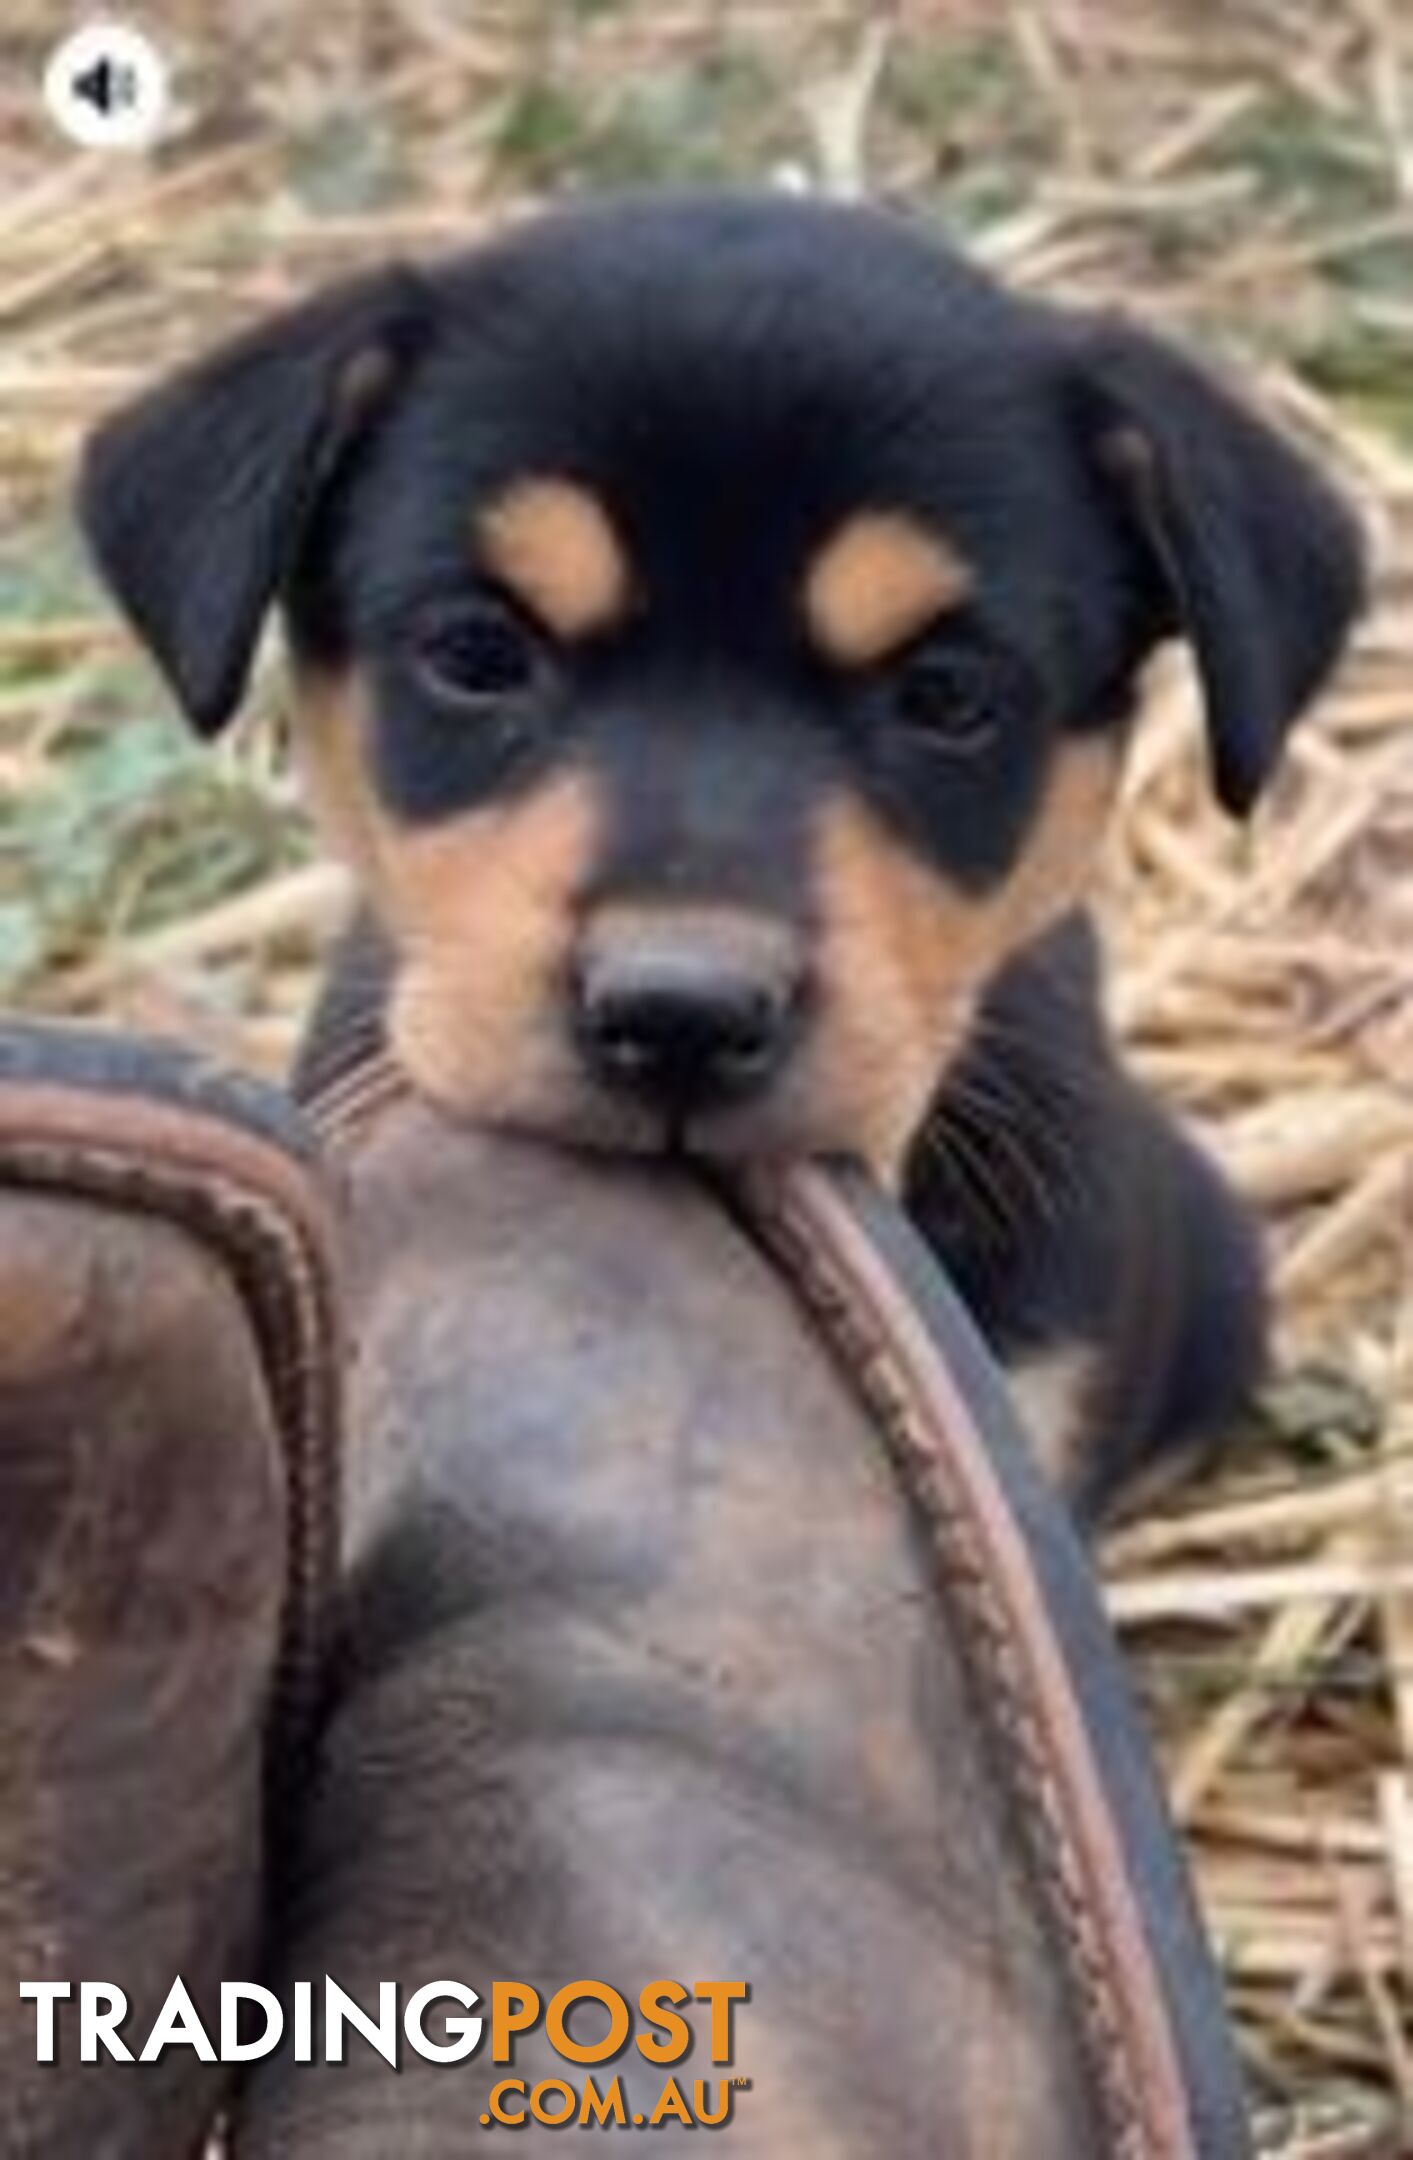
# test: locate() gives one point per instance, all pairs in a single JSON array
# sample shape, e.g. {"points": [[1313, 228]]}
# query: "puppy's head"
{"points": [[714, 626]]}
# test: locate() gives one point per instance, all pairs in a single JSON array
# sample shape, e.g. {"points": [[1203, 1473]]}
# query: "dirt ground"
{"points": [[1237, 171]]}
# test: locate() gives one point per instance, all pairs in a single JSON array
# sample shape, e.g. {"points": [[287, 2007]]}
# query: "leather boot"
{"points": [[166, 1528], [705, 1621]]}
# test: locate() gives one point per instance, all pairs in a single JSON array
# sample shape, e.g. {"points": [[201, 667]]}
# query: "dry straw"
{"points": [[1242, 172]]}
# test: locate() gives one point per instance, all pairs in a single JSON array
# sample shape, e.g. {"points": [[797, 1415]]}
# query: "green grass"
{"points": [[724, 116], [129, 824]]}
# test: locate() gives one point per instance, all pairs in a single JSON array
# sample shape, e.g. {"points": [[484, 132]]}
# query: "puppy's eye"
{"points": [[478, 658], [950, 694]]}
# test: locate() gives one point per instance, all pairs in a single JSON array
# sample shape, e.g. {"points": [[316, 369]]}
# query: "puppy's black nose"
{"points": [[685, 1016]]}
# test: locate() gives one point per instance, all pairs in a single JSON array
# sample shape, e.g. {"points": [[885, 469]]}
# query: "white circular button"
{"points": [[106, 87]]}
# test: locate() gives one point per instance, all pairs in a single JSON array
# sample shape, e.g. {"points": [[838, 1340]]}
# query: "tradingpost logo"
{"points": [[650, 2026]]}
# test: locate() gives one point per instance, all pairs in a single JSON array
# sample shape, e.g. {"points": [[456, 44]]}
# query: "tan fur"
{"points": [[551, 543], [876, 583], [481, 908], [484, 910], [330, 747], [903, 953], [1053, 1391]]}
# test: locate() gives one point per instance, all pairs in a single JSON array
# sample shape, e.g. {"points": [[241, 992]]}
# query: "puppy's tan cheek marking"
{"points": [[876, 583], [483, 912], [903, 953], [330, 746], [481, 908], [553, 546]]}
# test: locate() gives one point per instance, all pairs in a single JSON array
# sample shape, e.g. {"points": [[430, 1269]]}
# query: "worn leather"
{"points": [[654, 1664], [701, 1619], [165, 1363]]}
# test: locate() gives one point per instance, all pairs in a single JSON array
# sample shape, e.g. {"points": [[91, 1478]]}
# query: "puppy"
{"points": [[714, 626]]}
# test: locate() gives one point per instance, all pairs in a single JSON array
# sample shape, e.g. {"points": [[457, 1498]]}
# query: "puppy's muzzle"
{"points": [[686, 1009]]}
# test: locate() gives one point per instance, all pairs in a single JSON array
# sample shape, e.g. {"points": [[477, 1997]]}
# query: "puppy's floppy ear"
{"points": [[195, 498], [1248, 553]]}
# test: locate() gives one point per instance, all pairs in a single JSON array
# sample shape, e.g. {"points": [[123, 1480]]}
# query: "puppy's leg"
{"points": [[1111, 1269], [1187, 1345]]}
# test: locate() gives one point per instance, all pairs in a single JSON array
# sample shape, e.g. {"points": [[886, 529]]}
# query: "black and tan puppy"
{"points": [[715, 626]]}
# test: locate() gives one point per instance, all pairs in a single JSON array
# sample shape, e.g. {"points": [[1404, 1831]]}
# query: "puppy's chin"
{"points": [[583, 1117], [537, 1091], [831, 1099], [550, 1100], [582, 1123], [787, 1128]]}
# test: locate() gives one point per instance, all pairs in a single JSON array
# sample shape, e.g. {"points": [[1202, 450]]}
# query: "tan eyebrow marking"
{"points": [[553, 545], [880, 579]]}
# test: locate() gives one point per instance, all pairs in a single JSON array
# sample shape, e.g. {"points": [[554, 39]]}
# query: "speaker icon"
{"points": [[106, 87]]}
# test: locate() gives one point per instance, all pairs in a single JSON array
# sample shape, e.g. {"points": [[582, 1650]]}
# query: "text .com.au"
{"points": [[442, 2021]]}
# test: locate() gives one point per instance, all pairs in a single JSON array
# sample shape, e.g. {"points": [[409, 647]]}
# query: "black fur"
{"points": [[197, 501], [1071, 1210], [733, 377], [1254, 561]]}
